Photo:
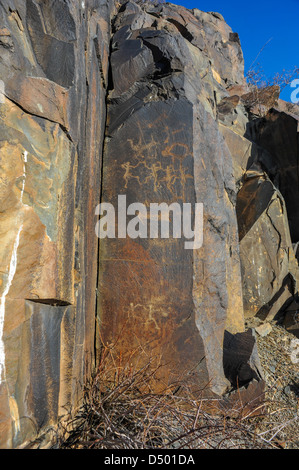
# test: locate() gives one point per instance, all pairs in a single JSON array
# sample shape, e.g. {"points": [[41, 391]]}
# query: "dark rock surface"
{"points": [[164, 144], [269, 266]]}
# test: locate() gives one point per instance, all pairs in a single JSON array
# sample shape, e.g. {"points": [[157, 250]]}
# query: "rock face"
{"points": [[273, 221], [143, 105], [269, 267], [54, 70], [164, 144]]}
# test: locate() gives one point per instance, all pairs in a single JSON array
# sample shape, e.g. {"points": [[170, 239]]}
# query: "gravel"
{"points": [[281, 374]]}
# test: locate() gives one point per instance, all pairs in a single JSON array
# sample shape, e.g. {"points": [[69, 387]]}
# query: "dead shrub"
{"points": [[121, 411]]}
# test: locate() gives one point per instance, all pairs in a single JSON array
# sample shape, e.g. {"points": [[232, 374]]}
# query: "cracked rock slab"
{"points": [[269, 267]]}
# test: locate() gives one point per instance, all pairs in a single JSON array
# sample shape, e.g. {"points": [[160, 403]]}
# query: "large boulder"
{"points": [[164, 145], [269, 268], [261, 133], [277, 134]]}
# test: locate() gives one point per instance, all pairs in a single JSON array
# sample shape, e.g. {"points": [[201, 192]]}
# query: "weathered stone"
{"points": [[269, 267], [182, 127], [241, 150], [291, 318], [240, 359], [260, 100], [54, 69], [227, 105], [242, 366], [264, 329], [238, 90], [296, 250], [164, 145], [56, 57], [286, 107], [277, 133], [223, 48], [267, 256]]}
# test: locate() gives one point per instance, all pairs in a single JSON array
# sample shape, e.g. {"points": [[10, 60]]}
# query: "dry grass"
{"points": [[120, 411], [264, 91], [257, 79]]}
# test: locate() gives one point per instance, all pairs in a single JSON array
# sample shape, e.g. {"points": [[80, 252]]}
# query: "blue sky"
{"points": [[257, 21]]}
